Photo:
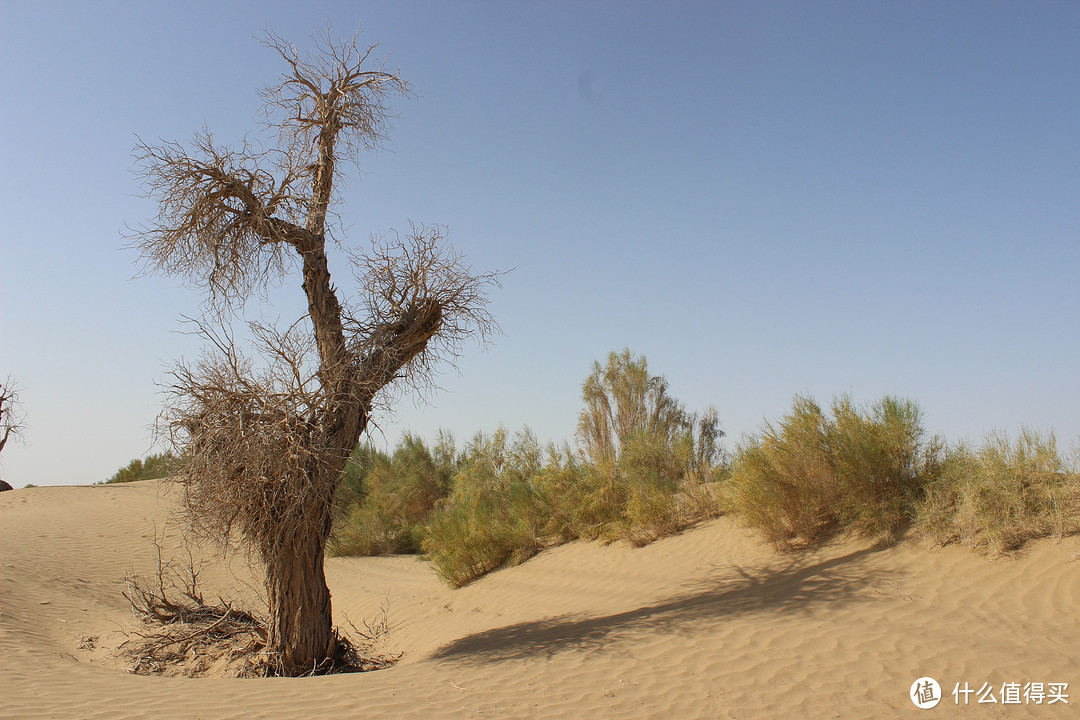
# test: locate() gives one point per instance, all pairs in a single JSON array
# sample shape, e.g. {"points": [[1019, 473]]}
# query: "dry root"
{"points": [[182, 634]]}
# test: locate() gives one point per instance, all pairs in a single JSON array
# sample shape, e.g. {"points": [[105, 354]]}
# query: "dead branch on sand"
{"points": [[183, 634]]}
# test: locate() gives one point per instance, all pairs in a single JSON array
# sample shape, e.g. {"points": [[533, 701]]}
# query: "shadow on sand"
{"points": [[795, 586]]}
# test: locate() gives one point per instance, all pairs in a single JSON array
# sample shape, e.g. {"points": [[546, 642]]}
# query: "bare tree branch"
{"points": [[266, 435], [411, 286], [12, 416]]}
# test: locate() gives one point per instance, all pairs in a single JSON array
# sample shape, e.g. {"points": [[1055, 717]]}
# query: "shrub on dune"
{"points": [[149, 468], [645, 468], [494, 516], [1002, 494], [350, 491], [782, 480], [812, 476], [882, 462], [396, 494], [648, 466]]}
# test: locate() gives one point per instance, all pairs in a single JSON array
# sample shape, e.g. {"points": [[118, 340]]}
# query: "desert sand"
{"points": [[709, 624]]}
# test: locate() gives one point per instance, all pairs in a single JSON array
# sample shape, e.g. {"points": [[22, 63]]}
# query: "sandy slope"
{"points": [[710, 624]]}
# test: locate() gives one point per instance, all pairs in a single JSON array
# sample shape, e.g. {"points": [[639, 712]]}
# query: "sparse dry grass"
{"points": [[1002, 494]]}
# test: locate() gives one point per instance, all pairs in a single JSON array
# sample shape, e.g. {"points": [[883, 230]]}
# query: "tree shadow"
{"points": [[793, 587]]}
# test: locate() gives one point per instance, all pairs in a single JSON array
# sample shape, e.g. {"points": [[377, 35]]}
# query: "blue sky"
{"points": [[763, 198]]}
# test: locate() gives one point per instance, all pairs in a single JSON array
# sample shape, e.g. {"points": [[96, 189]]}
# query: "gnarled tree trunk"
{"points": [[265, 444], [301, 632]]}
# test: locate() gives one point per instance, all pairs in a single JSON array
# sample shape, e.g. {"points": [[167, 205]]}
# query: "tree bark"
{"points": [[301, 625], [225, 221], [300, 629]]}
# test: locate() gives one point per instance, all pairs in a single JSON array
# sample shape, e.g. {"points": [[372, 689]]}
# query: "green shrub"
{"points": [[390, 498], [645, 469], [153, 466], [814, 476], [1003, 494], [494, 516], [665, 486], [882, 463], [648, 465], [561, 485], [782, 481], [350, 491]]}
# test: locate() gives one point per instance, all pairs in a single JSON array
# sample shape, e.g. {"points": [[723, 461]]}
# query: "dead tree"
{"points": [[12, 421], [265, 435]]}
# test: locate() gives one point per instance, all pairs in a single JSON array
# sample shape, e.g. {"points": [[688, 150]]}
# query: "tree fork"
{"points": [[264, 445]]}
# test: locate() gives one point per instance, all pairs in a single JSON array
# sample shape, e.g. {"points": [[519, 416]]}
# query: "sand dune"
{"points": [[710, 624]]}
